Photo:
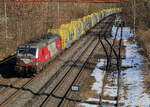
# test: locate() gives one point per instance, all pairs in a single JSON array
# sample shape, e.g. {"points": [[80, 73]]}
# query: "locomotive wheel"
{"points": [[21, 75], [29, 75], [42, 67]]}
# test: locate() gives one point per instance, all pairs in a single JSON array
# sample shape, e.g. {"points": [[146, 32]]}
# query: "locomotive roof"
{"points": [[41, 41]]}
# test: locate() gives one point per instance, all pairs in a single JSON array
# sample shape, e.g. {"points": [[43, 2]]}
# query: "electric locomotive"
{"points": [[34, 55]]}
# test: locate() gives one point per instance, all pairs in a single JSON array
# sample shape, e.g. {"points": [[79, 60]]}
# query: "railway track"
{"points": [[109, 64], [55, 99], [53, 91], [72, 97], [27, 84], [68, 97], [14, 83], [62, 98], [50, 93], [119, 70], [65, 73], [57, 90]]}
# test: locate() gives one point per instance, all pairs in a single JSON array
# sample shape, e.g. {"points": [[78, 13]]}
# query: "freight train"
{"points": [[35, 54]]}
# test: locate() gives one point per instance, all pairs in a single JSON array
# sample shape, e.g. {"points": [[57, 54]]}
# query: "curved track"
{"points": [[59, 85], [79, 71], [59, 79], [109, 56], [29, 81]]}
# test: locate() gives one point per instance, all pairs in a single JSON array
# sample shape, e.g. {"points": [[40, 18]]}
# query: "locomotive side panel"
{"points": [[44, 55]]}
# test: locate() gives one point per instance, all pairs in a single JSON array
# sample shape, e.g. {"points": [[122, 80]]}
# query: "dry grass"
{"points": [[88, 94], [147, 82], [146, 69], [144, 38]]}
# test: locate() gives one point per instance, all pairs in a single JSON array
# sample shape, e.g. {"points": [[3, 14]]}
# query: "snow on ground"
{"points": [[89, 105], [99, 75], [133, 78], [133, 58], [110, 91], [126, 32], [109, 101]]}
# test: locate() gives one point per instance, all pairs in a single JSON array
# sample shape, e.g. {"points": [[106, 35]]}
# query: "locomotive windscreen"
{"points": [[27, 52]]}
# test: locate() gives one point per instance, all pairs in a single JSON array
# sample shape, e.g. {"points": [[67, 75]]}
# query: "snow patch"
{"points": [[99, 75], [89, 105], [127, 32], [133, 78], [110, 91], [97, 86], [133, 58], [109, 101]]}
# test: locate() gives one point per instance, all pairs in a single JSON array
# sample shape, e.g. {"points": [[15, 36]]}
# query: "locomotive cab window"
{"points": [[27, 52]]}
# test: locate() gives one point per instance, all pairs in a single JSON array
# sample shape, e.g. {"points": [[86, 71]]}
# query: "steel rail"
{"points": [[54, 89], [119, 70], [67, 64], [107, 69], [24, 86], [63, 98]]}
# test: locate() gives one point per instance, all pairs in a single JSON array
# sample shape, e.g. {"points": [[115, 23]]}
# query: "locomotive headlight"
{"points": [[17, 62]]}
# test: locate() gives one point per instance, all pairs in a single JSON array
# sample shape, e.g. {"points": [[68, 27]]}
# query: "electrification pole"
{"points": [[58, 11], [134, 15], [5, 8]]}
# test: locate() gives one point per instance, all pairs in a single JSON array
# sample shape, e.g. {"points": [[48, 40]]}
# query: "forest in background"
{"points": [[22, 21]]}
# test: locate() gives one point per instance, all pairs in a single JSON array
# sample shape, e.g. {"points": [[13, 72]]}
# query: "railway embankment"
{"points": [[136, 14], [132, 79], [143, 38]]}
